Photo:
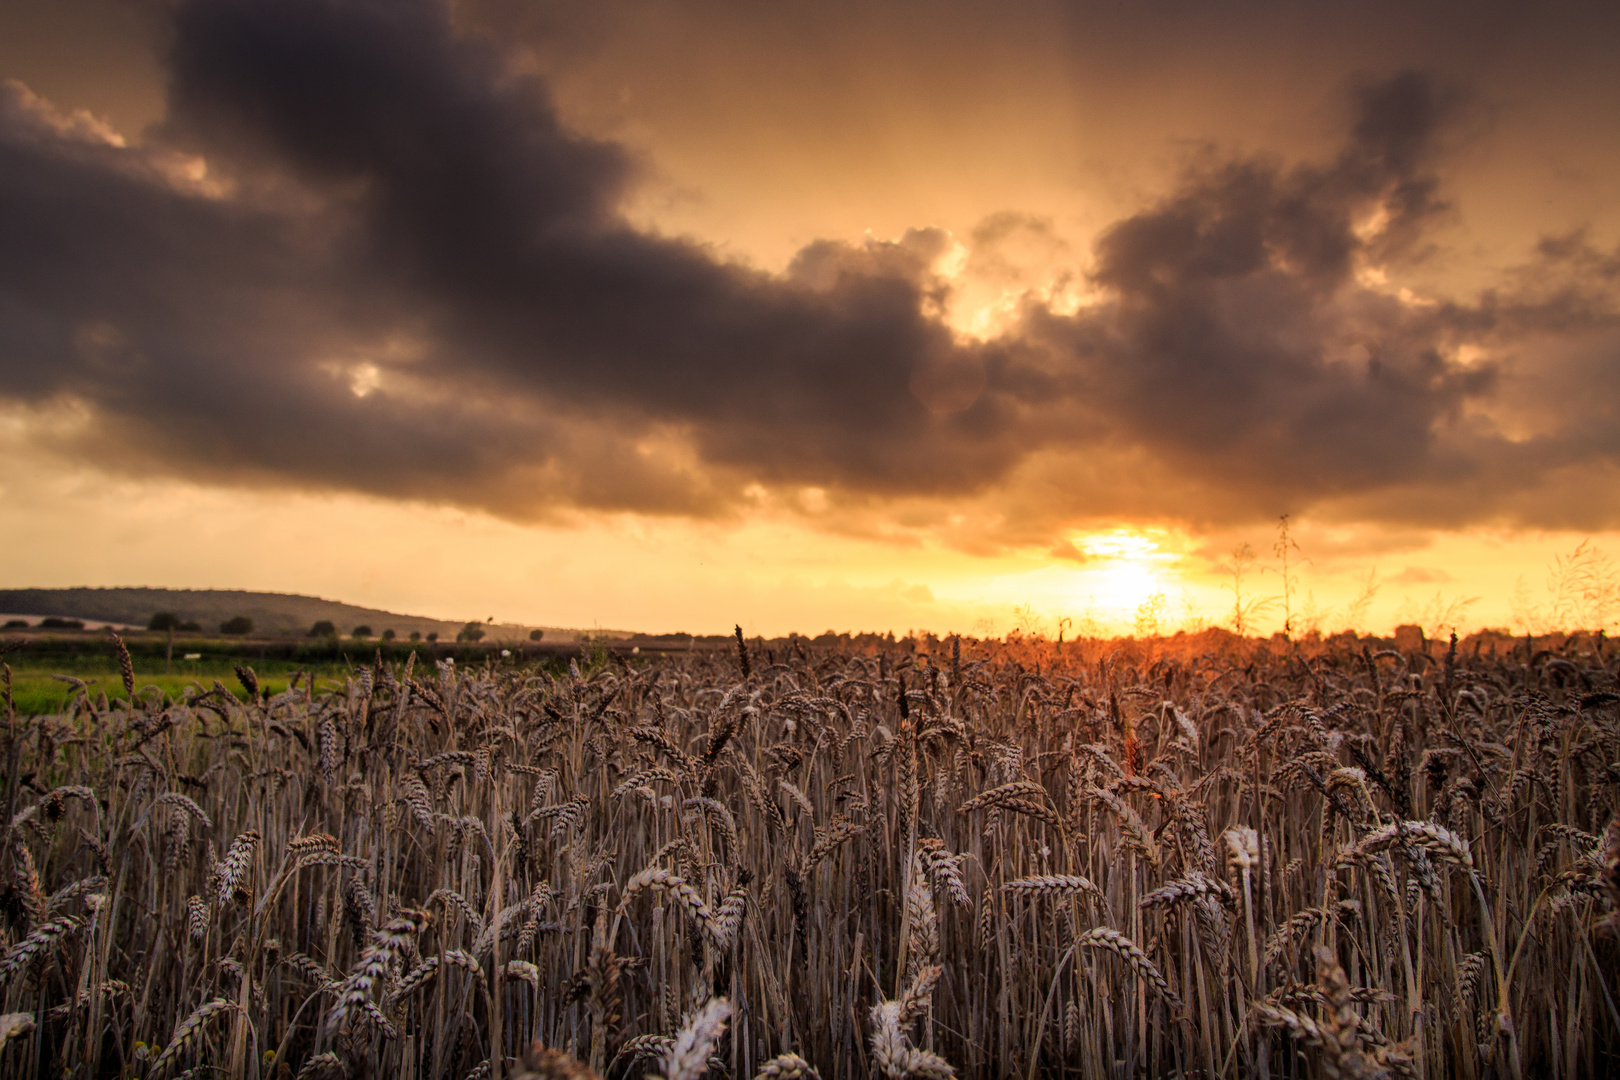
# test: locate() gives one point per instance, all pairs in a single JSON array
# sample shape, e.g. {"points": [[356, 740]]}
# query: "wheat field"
{"points": [[1096, 859]]}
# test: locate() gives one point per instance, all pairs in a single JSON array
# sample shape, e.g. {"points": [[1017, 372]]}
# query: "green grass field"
{"points": [[36, 690], [36, 663]]}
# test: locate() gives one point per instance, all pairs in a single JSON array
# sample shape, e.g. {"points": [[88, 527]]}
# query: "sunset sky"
{"points": [[948, 316]]}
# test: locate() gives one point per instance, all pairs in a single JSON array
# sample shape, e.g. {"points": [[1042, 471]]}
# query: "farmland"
{"points": [[1210, 857]]}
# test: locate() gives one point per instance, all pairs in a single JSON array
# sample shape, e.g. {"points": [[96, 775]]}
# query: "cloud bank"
{"points": [[363, 253]]}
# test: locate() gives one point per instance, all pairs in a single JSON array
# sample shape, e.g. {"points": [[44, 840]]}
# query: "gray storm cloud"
{"points": [[401, 274]]}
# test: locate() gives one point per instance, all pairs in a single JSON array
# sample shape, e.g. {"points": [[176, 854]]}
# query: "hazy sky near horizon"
{"points": [[669, 315]]}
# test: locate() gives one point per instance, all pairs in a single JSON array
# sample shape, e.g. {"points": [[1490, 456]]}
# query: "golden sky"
{"points": [[948, 316]]}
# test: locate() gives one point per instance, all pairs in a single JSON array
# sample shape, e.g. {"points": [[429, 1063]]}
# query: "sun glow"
{"points": [[989, 291], [1120, 544], [1123, 570]]}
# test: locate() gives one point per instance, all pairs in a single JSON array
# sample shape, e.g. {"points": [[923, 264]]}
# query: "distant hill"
{"points": [[276, 614]]}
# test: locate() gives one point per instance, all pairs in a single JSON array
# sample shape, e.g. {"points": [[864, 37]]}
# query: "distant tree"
{"points": [[536, 635], [191, 626], [416, 635], [362, 631], [432, 637], [55, 623], [239, 625], [389, 635], [16, 624], [323, 628], [167, 622], [473, 631]]}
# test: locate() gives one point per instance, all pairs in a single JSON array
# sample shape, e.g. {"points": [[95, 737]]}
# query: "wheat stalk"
{"points": [[1102, 937], [688, 1056], [186, 1034]]}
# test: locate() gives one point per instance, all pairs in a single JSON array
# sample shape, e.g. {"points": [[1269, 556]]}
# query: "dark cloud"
{"points": [[400, 273], [393, 179], [1238, 345]]}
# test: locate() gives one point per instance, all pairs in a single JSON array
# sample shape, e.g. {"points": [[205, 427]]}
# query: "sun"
{"points": [[1123, 570]]}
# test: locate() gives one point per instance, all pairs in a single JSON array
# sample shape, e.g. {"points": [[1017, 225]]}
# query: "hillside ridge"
{"points": [[271, 612]]}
